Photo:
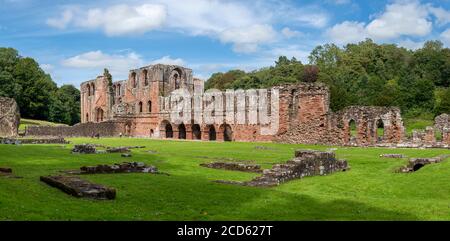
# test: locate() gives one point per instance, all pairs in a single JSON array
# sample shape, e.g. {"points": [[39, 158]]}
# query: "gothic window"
{"points": [[133, 80], [145, 73], [149, 105]]}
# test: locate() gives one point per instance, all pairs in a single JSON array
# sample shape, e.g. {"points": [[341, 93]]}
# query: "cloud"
{"points": [[410, 44], [445, 37], [400, 19], [114, 21], [169, 61], [289, 33], [347, 32], [211, 18], [247, 39], [116, 63], [442, 15]]}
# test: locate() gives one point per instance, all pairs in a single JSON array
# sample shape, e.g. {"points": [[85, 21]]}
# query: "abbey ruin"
{"points": [[166, 101]]}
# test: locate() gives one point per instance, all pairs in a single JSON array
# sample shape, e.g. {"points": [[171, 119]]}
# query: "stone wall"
{"points": [[441, 122], [109, 128], [9, 117]]}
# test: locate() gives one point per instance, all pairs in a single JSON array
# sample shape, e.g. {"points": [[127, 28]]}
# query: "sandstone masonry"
{"points": [[9, 117]]}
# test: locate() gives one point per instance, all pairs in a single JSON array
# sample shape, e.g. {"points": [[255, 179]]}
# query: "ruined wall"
{"points": [[9, 117], [108, 128], [441, 122]]}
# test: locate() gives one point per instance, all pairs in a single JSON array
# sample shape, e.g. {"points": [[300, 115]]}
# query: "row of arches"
{"points": [[134, 81], [141, 107], [90, 89], [208, 132]]}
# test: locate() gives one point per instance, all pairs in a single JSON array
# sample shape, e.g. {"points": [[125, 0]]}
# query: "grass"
{"points": [[29, 122], [369, 191]]}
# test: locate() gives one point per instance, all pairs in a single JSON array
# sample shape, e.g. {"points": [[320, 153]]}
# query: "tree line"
{"points": [[35, 92], [366, 73]]}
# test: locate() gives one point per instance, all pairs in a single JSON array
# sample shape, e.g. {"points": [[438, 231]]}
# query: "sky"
{"points": [[73, 40]]}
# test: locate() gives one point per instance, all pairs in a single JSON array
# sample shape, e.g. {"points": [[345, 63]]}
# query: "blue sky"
{"points": [[74, 40]]}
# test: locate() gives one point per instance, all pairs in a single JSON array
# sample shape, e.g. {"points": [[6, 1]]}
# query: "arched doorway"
{"points": [[227, 132], [379, 130], [127, 129], [212, 133], [182, 132], [196, 132], [169, 130], [99, 115], [87, 117], [353, 131], [152, 132]]}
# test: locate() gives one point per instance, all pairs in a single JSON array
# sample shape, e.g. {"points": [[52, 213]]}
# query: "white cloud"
{"points": [[247, 39], [115, 20], [289, 33], [62, 21], [400, 19], [340, 2], [347, 32], [289, 51], [445, 37], [442, 15], [116, 63], [168, 60]]}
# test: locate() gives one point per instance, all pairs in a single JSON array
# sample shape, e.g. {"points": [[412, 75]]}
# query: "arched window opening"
{"points": [[227, 133], [118, 89], [89, 89], [133, 80], [353, 130], [196, 132], [149, 107], [145, 73], [87, 117], [140, 107]]}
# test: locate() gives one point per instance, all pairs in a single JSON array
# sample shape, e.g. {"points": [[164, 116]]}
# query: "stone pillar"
{"points": [[429, 135]]}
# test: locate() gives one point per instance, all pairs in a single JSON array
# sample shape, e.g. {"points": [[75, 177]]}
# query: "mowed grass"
{"points": [[29, 122], [371, 190]]}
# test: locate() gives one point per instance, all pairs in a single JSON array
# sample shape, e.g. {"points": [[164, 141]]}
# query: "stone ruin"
{"points": [[49, 140], [84, 149], [234, 166], [9, 117], [414, 164], [125, 167], [393, 156], [441, 122], [306, 163], [5, 170], [80, 188], [92, 149]]}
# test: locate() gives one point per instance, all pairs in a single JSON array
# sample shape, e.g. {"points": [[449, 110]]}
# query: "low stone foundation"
{"points": [[393, 156], [414, 164], [305, 163], [233, 166], [80, 188], [125, 167], [55, 140], [84, 149]]}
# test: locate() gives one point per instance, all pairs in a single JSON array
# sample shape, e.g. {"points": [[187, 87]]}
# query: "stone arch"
{"points": [[176, 78], [352, 131], [417, 166], [100, 114], [89, 89], [118, 90], [166, 128], [152, 132], [227, 132], [140, 107], [133, 80], [379, 130], [196, 132], [87, 117], [149, 106], [212, 135], [93, 89], [145, 74], [182, 132], [128, 129]]}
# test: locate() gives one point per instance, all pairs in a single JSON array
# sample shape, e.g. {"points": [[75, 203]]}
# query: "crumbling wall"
{"points": [[108, 128], [441, 122], [9, 117]]}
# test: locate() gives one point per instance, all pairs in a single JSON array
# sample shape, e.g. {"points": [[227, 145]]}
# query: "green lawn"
{"points": [[369, 191]]}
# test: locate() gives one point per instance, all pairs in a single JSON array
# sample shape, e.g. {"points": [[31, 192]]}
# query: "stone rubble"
{"points": [[80, 188], [305, 163], [414, 164], [393, 156], [233, 166], [84, 149], [125, 167]]}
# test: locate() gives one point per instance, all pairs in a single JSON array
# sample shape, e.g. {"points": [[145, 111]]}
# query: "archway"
{"points": [[196, 132], [152, 132], [182, 132], [353, 131], [212, 133], [149, 106], [169, 130], [417, 166], [87, 117], [140, 107], [133, 80], [128, 129], [227, 132], [379, 130], [145, 73], [99, 115]]}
